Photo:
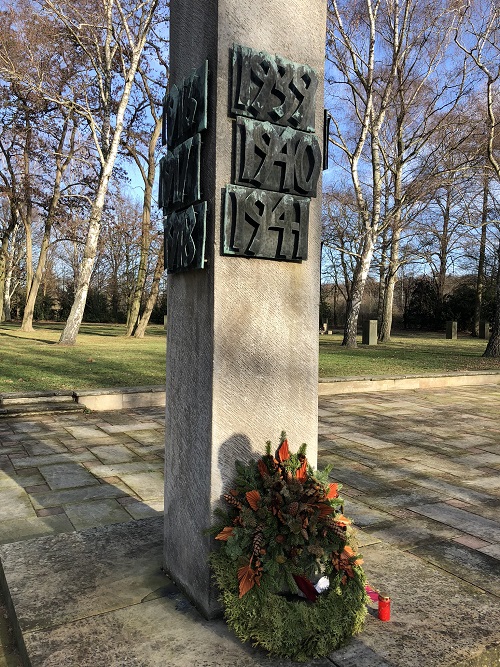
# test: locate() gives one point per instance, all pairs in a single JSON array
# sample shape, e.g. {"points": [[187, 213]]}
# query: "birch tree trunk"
{"points": [[153, 296], [33, 285], [107, 139], [148, 178]]}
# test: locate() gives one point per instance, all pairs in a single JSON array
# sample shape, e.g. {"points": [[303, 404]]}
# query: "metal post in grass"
{"points": [[242, 251]]}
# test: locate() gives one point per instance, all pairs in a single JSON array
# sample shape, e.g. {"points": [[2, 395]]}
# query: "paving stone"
{"points": [[37, 461], [146, 485], [453, 490], [84, 432], [95, 513], [67, 475], [44, 447], [51, 511], [471, 542], [15, 504], [395, 498], [492, 550], [139, 509], [124, 428], [476, 567], [63, 578], [42, 499], [409, 532], [363, 515], [16, 530], [436, 619], [475, 460], [470, 441], [113, 454], [373, 443], [14, 448], [39, 488], [464, 521], [120, 469]]}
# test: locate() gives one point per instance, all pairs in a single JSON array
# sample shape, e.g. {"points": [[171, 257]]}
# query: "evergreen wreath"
{"points": [[287, 568]]}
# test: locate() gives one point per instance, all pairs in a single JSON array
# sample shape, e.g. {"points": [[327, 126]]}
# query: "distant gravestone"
{"points": [[451, 330], [484, 329], [242, 219], [369, 332]]}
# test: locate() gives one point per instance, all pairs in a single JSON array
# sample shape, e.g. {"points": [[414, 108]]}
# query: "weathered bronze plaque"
{"points": [[264, 224], [179, 181], [276, 158], [184, 238], [271, 88], [185, 108]]}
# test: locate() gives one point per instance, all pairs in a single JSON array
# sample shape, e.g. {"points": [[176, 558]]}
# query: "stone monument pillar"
{"points": [[451, 330], [369, 332], [240, 190]]}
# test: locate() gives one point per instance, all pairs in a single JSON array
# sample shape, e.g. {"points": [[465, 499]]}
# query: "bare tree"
{"points": [[141, 144], [110, 35], [479, 37], [363, 70], [428, 88]]}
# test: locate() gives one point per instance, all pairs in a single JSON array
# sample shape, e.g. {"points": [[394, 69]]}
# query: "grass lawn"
{"points": [[406, 354], [103, 357]]}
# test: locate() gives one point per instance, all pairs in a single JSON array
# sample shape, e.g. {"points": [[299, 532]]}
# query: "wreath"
{"points": [[287, 568]]}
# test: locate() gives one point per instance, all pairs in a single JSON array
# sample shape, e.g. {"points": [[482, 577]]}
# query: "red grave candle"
{"points": [[384, 608]]}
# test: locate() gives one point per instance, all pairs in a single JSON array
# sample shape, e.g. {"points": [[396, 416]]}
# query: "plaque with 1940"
{"points": [[277, 160]]}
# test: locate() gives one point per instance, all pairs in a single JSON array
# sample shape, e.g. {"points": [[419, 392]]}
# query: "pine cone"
{"points": [[258, 541], [231, 500], [293, 508], [339, 531]]}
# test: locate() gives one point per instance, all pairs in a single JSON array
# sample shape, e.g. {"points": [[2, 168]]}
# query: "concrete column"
{"points": [[369, 332], [451, 330], [242, 339]]}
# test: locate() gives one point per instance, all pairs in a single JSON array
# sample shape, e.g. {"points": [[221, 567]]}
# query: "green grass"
{"points": [[406, 354], [103, 357]]}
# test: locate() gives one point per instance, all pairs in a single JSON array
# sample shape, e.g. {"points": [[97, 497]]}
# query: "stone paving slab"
{"points": [[459, 518], [433, 494], [99, 599], [16, 530]]}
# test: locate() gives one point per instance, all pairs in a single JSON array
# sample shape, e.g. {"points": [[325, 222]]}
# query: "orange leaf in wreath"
{"points": [[253, 498], [264, 472], [333, 492], [246, 578], [325, 510], [342, 520], [225, 534], [283, 451], [301, 474]]}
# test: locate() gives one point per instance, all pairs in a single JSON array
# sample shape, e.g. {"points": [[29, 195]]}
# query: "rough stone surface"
{"points": [[242, 333]]}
